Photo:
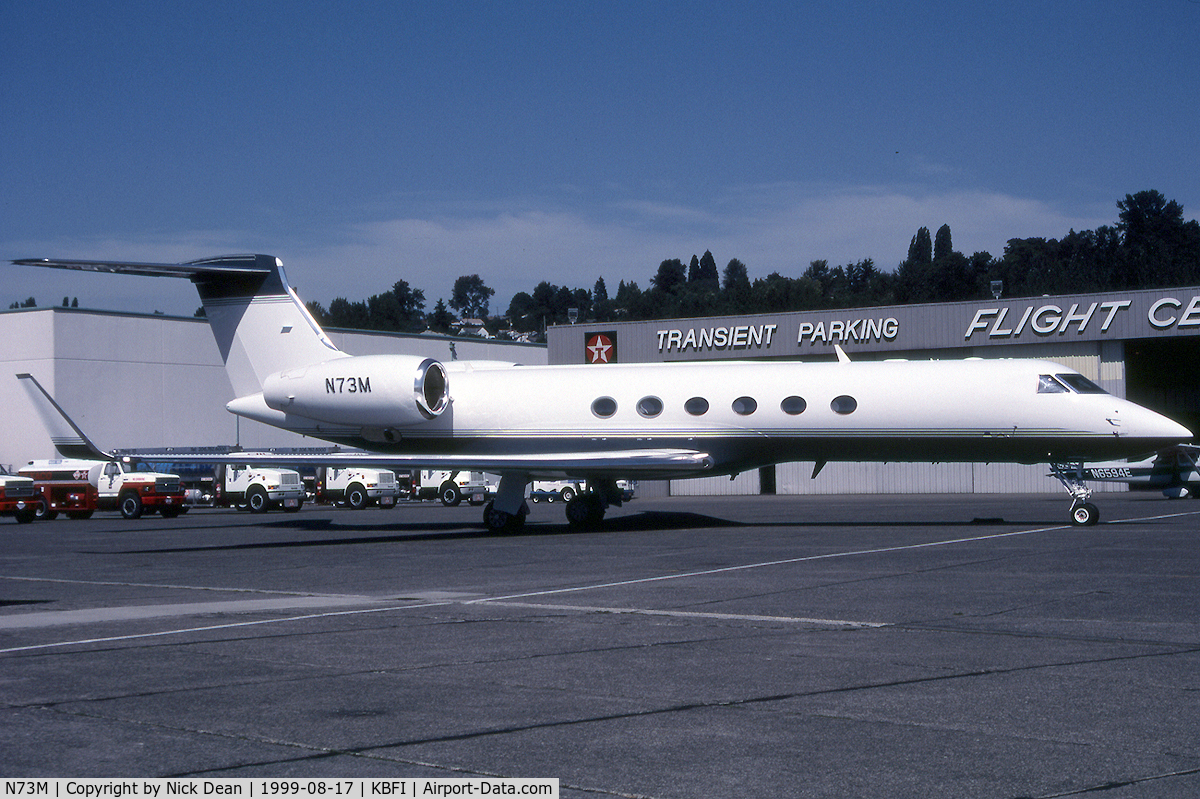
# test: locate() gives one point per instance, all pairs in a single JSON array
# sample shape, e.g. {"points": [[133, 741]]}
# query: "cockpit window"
{"points": [[1081, 383], [1048, 385]]}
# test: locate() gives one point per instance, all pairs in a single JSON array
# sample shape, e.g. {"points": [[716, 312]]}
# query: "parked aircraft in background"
{"points": [[648, 421], [1174, 471]]}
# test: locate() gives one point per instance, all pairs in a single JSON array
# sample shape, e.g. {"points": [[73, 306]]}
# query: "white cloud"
{"points": [[770, 228]]}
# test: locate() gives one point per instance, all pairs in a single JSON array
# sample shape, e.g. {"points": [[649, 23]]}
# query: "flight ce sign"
{"points": [[1045, 320]]}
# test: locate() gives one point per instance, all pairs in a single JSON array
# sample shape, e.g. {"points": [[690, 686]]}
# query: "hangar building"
{"points": [[1142, 345], [149, 380]]}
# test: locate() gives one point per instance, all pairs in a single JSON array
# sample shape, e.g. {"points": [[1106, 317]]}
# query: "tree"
{"points": [[706, 273], [343, 313], [920, 249], [1155, 239], [441, 320], [670, 275], [942, 248], [401, 309], [470, 297]]}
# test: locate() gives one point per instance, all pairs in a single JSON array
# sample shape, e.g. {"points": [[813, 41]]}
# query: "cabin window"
{"points": [[1081, 384], [604, 407], [696, 406], [793, 406], [744, 406], [649, 407], [844, 405], [1048, 385]]}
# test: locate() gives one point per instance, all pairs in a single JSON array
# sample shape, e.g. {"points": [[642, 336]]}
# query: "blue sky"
{"points": [[365, 143]]}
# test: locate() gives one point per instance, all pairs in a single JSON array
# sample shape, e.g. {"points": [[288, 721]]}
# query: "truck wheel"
{"points": [[131, 505], [28, 513], [256, 500], [567, 494], [356, 497], [450, 494], [43, 513]]}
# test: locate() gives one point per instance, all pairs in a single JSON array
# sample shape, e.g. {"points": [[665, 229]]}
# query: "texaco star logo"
{"points": [[601, 348]]}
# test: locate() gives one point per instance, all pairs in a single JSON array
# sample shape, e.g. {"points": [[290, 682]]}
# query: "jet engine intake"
{"points": [[381, 391]]}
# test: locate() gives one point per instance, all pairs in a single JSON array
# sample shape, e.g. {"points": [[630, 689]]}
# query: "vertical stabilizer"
{"points": [[260, 324]]}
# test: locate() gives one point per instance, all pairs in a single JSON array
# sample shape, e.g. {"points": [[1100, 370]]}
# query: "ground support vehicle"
{"points": [[356, 487], [554, 490], [257, 489], [567, 490], [81, 487], [453, 487], [18, 498]]}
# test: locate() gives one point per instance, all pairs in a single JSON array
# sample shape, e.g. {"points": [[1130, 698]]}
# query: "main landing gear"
{"points": [[585, 511], [1083, 513]]}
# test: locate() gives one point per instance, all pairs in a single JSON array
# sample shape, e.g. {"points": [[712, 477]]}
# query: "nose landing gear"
{"points": [[1083, 513]]}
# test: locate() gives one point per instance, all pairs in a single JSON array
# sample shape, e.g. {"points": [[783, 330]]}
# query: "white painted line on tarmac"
{"points": [[690, 614], [55, 618], [576, 589]]}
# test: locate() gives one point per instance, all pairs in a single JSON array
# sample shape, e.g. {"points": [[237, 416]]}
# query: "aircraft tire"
{"points": [[1085, 514], [585, 512], [501, 523]]}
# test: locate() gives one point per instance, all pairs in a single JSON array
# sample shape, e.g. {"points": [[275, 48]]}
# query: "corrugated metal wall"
{"points": [[889, 478]]}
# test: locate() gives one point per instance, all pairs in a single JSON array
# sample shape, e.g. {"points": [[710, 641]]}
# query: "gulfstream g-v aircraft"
{"points": [[648, 421]]}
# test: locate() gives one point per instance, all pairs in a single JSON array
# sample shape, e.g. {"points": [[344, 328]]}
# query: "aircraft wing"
{"points": [[623, 463]]}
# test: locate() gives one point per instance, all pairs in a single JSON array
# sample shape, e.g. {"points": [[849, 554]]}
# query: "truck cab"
{"points": [[453, 487], [18, 498], [357, 487], [257, 488]]}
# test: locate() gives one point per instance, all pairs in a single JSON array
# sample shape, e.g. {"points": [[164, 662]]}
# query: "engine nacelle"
{"points": [[376, 391]]}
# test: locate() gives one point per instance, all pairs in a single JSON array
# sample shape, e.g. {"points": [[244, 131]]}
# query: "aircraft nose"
{"points": [[1145, 423]]}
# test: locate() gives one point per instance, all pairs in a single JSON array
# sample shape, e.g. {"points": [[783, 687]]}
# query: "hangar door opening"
{"points": [[1164, 374]]}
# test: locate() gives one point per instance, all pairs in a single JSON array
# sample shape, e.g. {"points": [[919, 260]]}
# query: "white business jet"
{"points": [[638, 420]]}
